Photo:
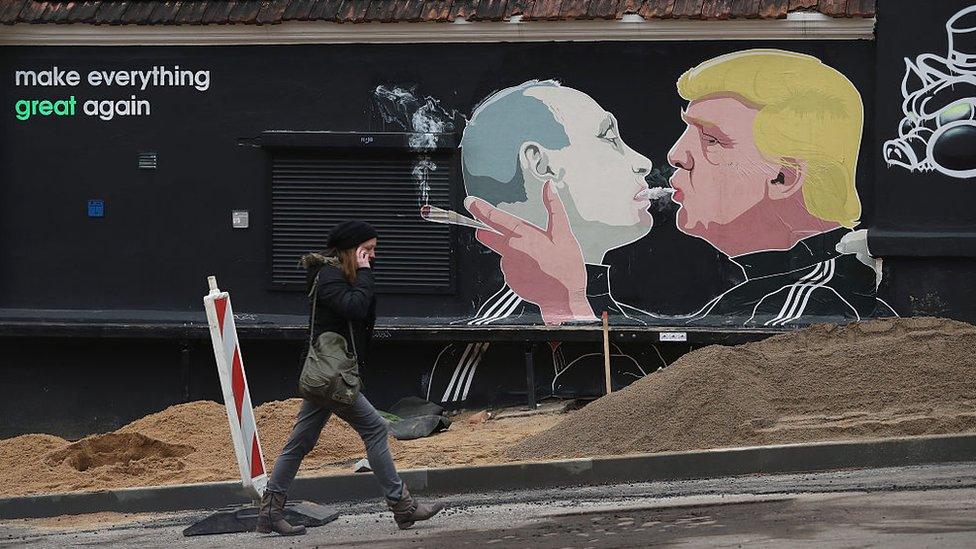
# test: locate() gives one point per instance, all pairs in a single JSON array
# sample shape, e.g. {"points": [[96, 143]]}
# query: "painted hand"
{"points": [[544, 267]]}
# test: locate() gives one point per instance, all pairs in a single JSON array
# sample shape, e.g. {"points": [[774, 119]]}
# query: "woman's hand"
{"points": [[362, 258]]}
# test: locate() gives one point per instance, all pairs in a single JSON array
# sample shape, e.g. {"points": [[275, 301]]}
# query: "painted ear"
{"points": [[788, 181], [535, 161]]}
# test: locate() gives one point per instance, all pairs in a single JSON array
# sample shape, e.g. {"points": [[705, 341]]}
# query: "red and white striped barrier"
{"points": [[237, 397]]}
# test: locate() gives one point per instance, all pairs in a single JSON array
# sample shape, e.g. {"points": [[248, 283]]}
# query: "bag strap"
{"points": [[314, 295], [352, 339]]}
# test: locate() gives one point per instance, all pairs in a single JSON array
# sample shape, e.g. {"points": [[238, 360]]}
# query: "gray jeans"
{"points": [[372, 428]]}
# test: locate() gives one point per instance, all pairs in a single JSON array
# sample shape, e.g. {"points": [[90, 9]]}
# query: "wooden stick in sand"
{"points": [[606, 350]]}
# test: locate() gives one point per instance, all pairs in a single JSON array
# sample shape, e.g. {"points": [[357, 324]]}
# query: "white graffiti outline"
{"points": [[928, 77]]}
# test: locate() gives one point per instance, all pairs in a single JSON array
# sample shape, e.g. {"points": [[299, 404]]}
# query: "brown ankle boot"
{"points": [[407, 510], [271, 518]]}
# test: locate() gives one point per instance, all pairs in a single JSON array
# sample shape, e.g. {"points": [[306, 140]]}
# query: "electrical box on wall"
{"points": [[96, 208], [239, 219]]}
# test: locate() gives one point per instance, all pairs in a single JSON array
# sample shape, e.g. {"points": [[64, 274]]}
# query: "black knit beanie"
{"points": [[350, 234]]}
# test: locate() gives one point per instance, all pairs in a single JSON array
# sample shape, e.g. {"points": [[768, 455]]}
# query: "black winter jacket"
{"points": [[340, 302]]}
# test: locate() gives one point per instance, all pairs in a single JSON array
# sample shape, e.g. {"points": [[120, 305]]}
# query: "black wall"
{"points": [[924, 224], [165, 230]]}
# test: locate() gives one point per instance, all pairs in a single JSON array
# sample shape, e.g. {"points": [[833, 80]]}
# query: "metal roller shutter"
{"points": [[313, 191]]}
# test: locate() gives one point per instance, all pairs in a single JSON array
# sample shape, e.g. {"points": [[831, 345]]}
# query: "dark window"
{"points": [[311, 191]]}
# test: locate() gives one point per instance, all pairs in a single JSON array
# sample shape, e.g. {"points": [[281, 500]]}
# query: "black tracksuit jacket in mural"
{"points": [[809, 283], [566, 373], [812, 282]]}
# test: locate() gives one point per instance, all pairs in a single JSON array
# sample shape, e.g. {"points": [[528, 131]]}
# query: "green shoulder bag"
{"points": [[330, 376]]}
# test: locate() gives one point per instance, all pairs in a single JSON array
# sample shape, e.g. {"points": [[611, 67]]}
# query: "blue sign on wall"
{"points": [[96, 208]]}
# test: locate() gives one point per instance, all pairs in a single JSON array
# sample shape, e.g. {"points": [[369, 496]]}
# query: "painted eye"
{"points": [[951, 149], [907, 125], [952, 113], [708, 139]]}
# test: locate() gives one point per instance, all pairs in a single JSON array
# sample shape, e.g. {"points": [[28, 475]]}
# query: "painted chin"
{"points": [[646, 220], [684, 222]]}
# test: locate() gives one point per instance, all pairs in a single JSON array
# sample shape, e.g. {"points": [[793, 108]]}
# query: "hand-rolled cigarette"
{"points": [[438, 215], [656, 193]]}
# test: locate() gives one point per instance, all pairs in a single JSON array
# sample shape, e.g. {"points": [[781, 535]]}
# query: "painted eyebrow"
{"points": [[709, 127]]}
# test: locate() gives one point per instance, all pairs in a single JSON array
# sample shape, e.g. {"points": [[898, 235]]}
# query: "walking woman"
{"points": [[344, 302]]}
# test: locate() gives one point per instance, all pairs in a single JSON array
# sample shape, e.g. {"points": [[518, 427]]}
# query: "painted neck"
{"points": [[773, 225]]}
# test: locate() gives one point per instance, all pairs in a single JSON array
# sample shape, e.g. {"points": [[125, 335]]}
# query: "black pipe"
{"points": [[530, 376], [185, 369]]}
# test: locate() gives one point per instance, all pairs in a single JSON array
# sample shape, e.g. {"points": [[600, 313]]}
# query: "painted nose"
{"points": [[681, 159], [641, 164]]}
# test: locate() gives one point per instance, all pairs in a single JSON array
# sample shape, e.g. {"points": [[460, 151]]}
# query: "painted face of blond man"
{"points": [[769, 152]]}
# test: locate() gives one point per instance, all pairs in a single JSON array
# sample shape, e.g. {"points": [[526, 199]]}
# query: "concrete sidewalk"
{"points": [[900, 507], [668, 466]]}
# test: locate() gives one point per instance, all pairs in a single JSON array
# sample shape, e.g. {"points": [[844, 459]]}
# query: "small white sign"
{"points": [[239, 219], [673, 336]]}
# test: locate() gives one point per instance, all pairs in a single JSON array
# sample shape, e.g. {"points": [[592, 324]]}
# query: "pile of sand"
{"points": [[191, 443], [880, 378], [182, 444]]}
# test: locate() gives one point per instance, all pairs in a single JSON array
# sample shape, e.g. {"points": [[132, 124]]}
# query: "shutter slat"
{"points": [[311, 193]]}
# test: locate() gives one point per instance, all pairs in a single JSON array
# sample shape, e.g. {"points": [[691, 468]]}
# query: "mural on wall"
{"points": [[764, 172], [938, 131]]}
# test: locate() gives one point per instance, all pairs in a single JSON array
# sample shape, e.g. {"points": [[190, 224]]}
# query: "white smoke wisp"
{"points": [[425, 120], [422, 116], [428, 121], [656, 193], [659, 193], [421, 175]]}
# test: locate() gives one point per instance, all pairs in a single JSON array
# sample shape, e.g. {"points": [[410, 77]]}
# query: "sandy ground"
{"points": [[469, 441], [893, 377], [190, 443]]}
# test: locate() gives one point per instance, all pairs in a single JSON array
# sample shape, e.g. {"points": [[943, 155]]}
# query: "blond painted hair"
{"points": [[810, 116]]}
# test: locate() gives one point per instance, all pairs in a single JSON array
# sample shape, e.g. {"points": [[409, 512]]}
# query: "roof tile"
{"points": [[353, 11], [272, 12], [574, 9], [324, 10], [139, 12], [218, 12], [603, 9], [745, 8], [490, 10], [717, 9], [657, 9], [543, 10], [436, 10], [409, 10], [10, 11], [860, 8], [688, 8], [156, 12], [190, 12], [518, 7], [836, 8], [773, 9], [463, 8], [110, 12]]}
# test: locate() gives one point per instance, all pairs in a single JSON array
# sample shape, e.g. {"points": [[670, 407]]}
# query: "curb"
{"points": [[665, 466]]}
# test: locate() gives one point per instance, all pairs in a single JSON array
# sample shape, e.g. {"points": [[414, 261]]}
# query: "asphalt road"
{"points": [[928, 506]]}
